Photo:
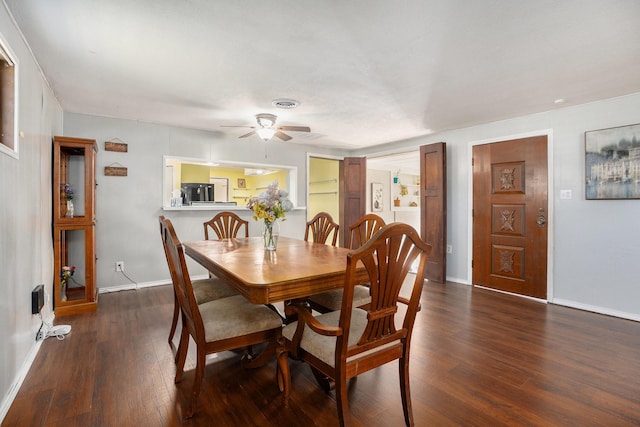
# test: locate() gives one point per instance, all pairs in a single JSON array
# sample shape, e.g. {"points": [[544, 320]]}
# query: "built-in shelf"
{"points": [[323, 181], [405, 199]]}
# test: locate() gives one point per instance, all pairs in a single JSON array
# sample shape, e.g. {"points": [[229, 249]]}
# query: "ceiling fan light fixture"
{"points": [[265, 133]]}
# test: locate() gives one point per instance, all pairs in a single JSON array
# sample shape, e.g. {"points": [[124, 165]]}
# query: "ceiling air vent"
{"points": [[285, 103]]}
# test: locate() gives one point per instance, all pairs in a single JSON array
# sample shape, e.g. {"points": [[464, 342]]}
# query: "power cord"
{"points": [[48, 330], [58, 331], [129, 278]]}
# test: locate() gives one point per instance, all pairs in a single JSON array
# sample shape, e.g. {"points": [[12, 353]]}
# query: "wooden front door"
{"points": [[433, 208], [510, 216]]}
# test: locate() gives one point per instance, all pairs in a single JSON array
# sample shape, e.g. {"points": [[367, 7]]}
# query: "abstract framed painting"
{"points": [[612, 163]]}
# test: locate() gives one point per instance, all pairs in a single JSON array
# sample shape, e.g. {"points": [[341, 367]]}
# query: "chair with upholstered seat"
{"points": [[226, 225], [205, 290], [346, 343], [320, 228], [359, 233], [219, 325]]}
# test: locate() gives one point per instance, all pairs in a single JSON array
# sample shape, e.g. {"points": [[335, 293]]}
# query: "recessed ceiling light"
{"points": [[285, 103], [559, 101]]}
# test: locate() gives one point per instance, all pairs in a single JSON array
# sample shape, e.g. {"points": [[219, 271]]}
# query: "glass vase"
{"points": [[63, 290], [69, 213], [270, 234]]}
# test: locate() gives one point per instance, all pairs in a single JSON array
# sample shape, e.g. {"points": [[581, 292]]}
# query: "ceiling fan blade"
{"points": [[295, 128], [282, 136], [247, 134], [237, 126]]}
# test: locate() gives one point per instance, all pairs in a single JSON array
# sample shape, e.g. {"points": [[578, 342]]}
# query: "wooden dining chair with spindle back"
{"points": [[205, 290], [346, 343], [223, 324], [321, 228], [362, 230], [226, 225], [359, 233]]}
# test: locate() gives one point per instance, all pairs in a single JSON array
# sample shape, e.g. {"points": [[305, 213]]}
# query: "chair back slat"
{"points": [[321, 227], [362, 230], [387, 258], [226, 225]]}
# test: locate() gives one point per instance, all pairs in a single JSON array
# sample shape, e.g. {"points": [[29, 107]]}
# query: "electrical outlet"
{"points": [[119, 265], [449, 249]]}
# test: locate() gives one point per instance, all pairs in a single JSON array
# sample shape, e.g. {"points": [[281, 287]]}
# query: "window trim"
{"points": [[9, 56]]}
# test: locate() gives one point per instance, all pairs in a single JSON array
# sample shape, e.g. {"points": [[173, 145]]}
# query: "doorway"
{"points": [[510, 214], [323, 187], [418, 183], [398, 174]]}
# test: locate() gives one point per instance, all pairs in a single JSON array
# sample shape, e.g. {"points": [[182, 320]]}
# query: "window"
{"points": [[202, 184], [8, 102]]}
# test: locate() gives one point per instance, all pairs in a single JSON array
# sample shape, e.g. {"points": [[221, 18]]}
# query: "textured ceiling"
{"points": [[366, 72]]}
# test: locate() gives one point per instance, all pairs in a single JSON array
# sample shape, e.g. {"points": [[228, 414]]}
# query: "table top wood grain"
{"points": [[297, 269]]}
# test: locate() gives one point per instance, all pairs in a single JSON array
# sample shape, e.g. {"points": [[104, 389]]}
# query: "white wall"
{"points": [[26, 249], [595, 244], [128, 207]]}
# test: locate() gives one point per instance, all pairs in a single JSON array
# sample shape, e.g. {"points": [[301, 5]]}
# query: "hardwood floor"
{"points": [[478, 358]]}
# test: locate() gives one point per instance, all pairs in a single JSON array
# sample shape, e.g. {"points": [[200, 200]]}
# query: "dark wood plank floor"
{"points": [[478, 358]]}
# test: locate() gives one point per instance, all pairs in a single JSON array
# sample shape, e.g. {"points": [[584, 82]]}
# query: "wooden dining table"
{"points": [[296, 270]]}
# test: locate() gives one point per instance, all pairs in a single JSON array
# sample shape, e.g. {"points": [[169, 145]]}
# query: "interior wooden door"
{"points": [[510, 216], [433, 208], [353, 193]]}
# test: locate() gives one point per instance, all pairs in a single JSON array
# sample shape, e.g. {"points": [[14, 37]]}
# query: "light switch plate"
{"points": [[565, 194]]}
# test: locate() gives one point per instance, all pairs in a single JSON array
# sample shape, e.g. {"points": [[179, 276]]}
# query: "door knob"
{"points": [[541, 220]]}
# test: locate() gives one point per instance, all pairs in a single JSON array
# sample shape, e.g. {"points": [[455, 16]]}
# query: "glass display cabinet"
{"points": [[74, 220]]}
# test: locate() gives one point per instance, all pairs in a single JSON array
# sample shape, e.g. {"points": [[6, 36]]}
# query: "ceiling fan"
{"points": [[267, 128]]}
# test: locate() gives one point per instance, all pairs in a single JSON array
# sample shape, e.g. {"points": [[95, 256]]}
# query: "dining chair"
{"points": [[359, 233], [320, 228], [205, 290], [226, 225], [219, 325], [346, 343]]}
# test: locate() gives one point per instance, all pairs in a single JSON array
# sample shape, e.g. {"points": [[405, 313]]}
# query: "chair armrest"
{"points": [[305, 317]]}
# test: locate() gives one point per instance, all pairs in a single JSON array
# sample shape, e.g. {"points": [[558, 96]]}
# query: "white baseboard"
{"points": [[134, 286], [17, 382], [596, 309], [458, 280]]}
